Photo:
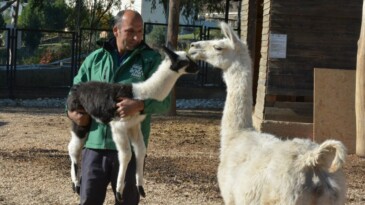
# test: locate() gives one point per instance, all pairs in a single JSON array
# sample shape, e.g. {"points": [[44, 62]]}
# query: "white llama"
{"points": [[257, 168], [99, 99]]}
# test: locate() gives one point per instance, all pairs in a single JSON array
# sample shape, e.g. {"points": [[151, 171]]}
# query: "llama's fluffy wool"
{"points": [[258, 168]]}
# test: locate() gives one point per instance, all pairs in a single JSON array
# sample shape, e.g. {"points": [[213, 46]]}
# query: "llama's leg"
{"points": [[74, 151], [225, 185], [140, 152], [121, 140]]}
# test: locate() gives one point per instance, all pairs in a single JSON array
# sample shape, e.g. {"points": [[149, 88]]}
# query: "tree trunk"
{"points": [[360, 90], [172, 34], [16, 15]]}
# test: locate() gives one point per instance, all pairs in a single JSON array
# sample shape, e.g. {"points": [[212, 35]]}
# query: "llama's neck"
{"points": [[158, 86], [237, 114]]}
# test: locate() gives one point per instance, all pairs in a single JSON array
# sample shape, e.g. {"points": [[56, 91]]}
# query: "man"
{"points": [[124, 59]]}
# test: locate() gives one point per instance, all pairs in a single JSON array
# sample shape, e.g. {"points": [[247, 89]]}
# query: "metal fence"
{"points": [[42, 63]]}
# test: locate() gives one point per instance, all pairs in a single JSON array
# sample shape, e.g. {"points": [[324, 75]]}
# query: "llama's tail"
{"points": [[330, 156]]}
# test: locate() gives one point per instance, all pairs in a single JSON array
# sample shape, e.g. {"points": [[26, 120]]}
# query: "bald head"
{"points": [[127, 15]]}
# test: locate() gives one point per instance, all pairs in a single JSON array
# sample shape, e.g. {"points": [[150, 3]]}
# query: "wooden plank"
{"points": [[360, 91], [300, 106], [315, 3], [334, 101], [346, 11], [287, 129], [289, 91], [288, 114], [305, 67], [313, 23], [288, 81], [309, 37]]}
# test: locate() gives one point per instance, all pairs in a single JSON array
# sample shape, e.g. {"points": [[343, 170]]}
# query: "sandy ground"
{"points": [[180, 167]]}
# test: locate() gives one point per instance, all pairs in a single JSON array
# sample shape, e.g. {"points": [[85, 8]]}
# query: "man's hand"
{"points": [[80, 117], [127, 107]]}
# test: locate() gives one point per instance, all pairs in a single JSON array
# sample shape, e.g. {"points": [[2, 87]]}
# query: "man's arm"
{"points": [[128, 106]]}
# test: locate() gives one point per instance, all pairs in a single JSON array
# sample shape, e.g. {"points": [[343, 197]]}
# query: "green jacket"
{"points": [[102, 65]]}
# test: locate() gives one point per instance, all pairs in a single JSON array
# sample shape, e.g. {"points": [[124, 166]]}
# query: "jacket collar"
{"points": [[111, 45]]}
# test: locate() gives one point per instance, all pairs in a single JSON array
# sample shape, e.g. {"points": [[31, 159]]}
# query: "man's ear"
{"points": [[115, 31]]}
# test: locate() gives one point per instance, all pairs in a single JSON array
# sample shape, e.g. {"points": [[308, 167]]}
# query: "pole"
{"points": [[227, 11], [172, 34], [360, 90]]}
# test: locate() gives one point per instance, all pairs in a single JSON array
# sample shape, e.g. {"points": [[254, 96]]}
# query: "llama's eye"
{"points": [[218, 48]]}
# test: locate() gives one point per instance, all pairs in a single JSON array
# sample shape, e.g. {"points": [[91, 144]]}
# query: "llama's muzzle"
{"points": [[188, 64]]}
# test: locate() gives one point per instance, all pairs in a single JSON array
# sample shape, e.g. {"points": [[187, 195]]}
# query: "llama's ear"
{"points": [[229, 33], [172, 55]]}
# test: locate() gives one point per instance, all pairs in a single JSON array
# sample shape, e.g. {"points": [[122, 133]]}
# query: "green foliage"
{"points": [[51, 15], [53, 53], [55, 15], [3, 55], [157, 37], [215, 33], [2, 21], [2, 33], [31, 39], [191, 8], [78, 16], [92, 14], [197, 33], [44, 54]]}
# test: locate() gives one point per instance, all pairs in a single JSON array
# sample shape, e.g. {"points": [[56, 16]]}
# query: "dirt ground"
{"points": [[180, 167]]}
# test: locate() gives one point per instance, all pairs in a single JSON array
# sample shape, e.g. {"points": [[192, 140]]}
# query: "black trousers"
{"points": [[98, 169]]}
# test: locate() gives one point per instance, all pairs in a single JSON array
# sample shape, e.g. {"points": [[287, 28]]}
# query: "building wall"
{"points": [[320, 33], [262, 66], [307, 34]]}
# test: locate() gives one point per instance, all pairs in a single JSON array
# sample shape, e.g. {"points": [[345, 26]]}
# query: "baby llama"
{"points": [[257, 168], [99, 99]]}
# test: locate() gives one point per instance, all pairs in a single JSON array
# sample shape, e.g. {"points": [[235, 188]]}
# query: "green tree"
{"points": [[2, 25], [157, 37], [99, 10], [92, 13], [191, 8], [82, 13], [55, 14], [50, 14], [30, 19], [2, 21]]}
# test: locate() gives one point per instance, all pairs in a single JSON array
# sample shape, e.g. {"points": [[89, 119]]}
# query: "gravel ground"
{"points": [[180, 167]]}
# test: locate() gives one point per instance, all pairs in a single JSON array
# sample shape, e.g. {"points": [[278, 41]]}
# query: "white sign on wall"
{"points": [[277, 45]]}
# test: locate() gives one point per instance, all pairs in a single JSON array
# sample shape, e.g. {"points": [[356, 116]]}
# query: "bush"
{"points": [[157, 37], [44, 54]]}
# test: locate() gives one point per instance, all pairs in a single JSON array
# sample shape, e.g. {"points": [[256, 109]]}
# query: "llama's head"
{"points": [[180, 61], [220, 53]]}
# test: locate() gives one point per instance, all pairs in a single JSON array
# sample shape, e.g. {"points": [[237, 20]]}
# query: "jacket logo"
{"points": [[136, 71]]}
